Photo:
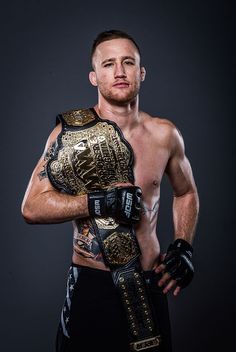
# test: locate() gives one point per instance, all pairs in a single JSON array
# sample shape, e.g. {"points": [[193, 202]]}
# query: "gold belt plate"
{"points": [[120, 248]]}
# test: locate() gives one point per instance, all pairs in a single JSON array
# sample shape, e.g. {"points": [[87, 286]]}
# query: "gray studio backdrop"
{"points": [[188, 54]]}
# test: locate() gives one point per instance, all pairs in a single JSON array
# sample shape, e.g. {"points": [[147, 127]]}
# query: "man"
{"points": [[101, 169]]}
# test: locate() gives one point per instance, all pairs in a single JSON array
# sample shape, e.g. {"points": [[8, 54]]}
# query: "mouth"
{"points": [[121, 85]]}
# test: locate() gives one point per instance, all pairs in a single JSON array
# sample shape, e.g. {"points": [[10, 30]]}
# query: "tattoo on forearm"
{"points": [[153, 210], [43, 173], [49, 153]]}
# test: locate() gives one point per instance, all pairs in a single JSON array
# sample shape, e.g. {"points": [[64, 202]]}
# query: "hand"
{"points": [[121, 203], [166, 282], [176, 267]]}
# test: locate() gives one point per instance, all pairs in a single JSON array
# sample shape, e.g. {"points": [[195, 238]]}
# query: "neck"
{"points": [[125, 116]]}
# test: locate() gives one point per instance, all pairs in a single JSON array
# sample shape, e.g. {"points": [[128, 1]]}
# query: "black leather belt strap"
{"points": [[121, 253], [142, 328]]}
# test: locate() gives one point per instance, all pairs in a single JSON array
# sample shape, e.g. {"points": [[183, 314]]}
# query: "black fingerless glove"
{"points": [[121, 203], [178, 261]]}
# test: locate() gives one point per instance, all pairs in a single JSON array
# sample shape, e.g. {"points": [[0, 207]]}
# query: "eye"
{"points": [[128, 62], [109, 64]]}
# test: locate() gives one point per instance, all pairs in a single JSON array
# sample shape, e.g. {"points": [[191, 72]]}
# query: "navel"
{"points": [[155, 183]]}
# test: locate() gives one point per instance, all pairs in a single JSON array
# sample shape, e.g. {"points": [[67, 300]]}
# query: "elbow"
{"points": [[195, 197], [28, 215], [190, 197], [194, 201]]}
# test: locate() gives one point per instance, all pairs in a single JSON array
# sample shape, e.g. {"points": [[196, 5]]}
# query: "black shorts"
{"points": [[93, 317]]}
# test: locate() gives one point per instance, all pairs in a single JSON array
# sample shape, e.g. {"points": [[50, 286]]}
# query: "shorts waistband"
{"points": [[91, 269], [149, 275]]}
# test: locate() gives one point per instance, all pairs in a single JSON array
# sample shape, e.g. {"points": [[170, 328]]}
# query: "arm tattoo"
{"points": [[42, 174], [47, 155], [153, 210]]}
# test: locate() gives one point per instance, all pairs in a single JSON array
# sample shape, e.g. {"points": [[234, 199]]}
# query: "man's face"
{"points": [[117, 72]]}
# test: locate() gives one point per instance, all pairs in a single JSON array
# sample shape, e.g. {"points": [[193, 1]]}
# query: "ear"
{"points": [[93, 78], [143, 73]]}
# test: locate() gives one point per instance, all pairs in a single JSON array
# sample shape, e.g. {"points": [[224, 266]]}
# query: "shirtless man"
{"points": [[157, 147]]}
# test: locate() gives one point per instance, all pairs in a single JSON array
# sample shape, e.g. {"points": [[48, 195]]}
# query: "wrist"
{"points": [[96, 203], [183, 245]]}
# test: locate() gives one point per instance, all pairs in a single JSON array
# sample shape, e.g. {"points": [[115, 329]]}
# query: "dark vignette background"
{"points": [[188, 50]]}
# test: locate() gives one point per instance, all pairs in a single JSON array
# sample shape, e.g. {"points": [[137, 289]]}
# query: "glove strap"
{"points": [[97, 203], [183, 246]]}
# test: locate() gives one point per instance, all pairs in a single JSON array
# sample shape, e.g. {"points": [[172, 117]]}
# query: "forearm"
{"points": [[54, 207], [185, 215]]}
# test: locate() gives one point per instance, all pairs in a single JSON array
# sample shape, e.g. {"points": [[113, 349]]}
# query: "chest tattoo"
{"points": [[152, 210]]}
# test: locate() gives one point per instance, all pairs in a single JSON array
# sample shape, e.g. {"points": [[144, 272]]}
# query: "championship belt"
{"points": [[91, 153], [121, 252]]}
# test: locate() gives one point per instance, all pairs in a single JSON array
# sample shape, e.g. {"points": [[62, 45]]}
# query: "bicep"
{"points": [[178, 168], [39, 182], [180, 174]]}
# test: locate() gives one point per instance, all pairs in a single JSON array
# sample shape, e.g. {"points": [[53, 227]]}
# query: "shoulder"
{"points": [[163, 129], [158, 123]]}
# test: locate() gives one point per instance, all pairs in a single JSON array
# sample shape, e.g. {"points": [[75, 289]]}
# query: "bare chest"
{"points": [[150, 160]]}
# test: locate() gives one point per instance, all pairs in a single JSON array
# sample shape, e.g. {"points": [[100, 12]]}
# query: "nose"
{"points": [[119, 71]]}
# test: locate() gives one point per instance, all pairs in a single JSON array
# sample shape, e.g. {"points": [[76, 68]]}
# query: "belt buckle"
{"points": [[145, 343]]}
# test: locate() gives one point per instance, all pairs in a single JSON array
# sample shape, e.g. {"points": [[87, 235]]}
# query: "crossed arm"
{"points": [[42, 203]]}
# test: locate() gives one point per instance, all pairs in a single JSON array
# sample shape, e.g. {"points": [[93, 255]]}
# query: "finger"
{"points": [[177, 291], [170, 285], [162, 257], [160, 268], [163, 281]]}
